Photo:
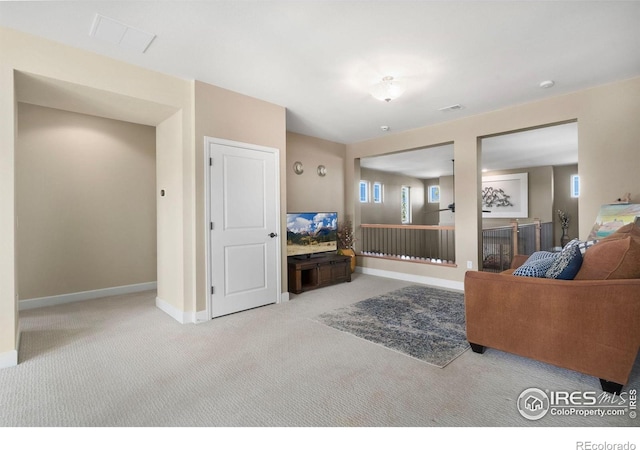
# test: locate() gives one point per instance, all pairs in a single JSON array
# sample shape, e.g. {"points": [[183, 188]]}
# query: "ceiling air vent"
{"points": [[455, 107], [118, 33]]}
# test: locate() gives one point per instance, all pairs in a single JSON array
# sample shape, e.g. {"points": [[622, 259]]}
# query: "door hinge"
{"points": [[211, 161], [211, 225], [213, 289]]}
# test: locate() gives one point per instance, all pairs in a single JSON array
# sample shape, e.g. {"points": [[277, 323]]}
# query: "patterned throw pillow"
{"points": [[584, 245], [537, 267], [568, 262], [540, 255]]}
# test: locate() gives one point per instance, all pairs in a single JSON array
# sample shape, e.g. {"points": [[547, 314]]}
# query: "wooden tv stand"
{"points": [[317, 271]]}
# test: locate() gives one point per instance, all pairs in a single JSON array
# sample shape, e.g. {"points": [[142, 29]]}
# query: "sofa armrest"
{"points": [[587, 326]]}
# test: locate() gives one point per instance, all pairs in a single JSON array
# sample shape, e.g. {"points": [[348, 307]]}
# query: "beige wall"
{"points": [[431, 213], [170, 211], [446, 198], [102, 79], [540, 197], [388, 212], [309, 191], [608, 164], [85, 202], [223, 114], [9, 337], [564, 201], [47, 72]]}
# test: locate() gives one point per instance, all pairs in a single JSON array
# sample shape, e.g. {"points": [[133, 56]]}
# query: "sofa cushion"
{"points": [[611, 259], [536, 267], [568, 262]]}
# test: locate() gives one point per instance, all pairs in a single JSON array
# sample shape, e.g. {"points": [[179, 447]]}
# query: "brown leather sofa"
{"points": [[588, 325]]}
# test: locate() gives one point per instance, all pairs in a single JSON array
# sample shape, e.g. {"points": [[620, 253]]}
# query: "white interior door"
{"points": [[244, 214]]}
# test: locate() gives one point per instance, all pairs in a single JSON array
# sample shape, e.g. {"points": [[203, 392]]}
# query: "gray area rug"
{"points": [[423, 322]]}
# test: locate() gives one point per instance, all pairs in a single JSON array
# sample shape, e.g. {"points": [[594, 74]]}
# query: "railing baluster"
{"points": [[500, 244], [419, 243]]}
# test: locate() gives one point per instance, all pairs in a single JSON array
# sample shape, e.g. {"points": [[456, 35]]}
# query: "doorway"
{"points": [[523, 218], [85, 199]]}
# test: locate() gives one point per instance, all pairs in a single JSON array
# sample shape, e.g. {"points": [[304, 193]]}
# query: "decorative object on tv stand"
{"points": [[297, 168], [346, 239], [564, 224], [322, 170]]}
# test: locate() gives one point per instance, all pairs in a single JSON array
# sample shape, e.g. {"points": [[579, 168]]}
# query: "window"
{"points": [[575, 186], [377, 192], [364, 191], [434, 194], [405, 204]]}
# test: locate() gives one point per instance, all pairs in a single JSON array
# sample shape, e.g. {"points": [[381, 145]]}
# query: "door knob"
{"points": [[272, 235]]}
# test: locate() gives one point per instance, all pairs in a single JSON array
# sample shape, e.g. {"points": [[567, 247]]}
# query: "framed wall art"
{"points": [[613, 216], [505, 196], [434, 194]]}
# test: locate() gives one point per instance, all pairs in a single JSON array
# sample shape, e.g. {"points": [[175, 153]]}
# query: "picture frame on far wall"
{"points": [[505, 196], [434, 194]]}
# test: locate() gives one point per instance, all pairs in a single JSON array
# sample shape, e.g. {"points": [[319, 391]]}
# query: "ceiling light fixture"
{"points": [[388, 89]]}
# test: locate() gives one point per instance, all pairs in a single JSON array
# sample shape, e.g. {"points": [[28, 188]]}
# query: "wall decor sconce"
{"points": [[297, 168], [322, 170]]}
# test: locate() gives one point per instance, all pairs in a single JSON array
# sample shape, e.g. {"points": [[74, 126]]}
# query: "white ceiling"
{"points": [[319, 58]]}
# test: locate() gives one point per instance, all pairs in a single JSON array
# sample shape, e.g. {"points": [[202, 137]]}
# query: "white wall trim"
{"points": [[201, 316], [39, 302], [181, 316], [284, 297], [439, 282], [8, 359]]}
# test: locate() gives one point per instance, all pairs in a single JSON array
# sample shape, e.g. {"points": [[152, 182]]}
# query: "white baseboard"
{"points": [[439, 282], [8, 359], [172, 311], [201, 316], [86, 295]]}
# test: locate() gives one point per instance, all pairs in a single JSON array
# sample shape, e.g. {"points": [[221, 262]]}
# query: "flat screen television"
{"points": [[309, 233]]}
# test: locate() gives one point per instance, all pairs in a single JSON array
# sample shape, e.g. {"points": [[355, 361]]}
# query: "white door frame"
{"points": [[208, 141]]}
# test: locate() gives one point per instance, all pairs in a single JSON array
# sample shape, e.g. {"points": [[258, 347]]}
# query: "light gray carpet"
{"points": [[120, 361], [419, 321]]}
